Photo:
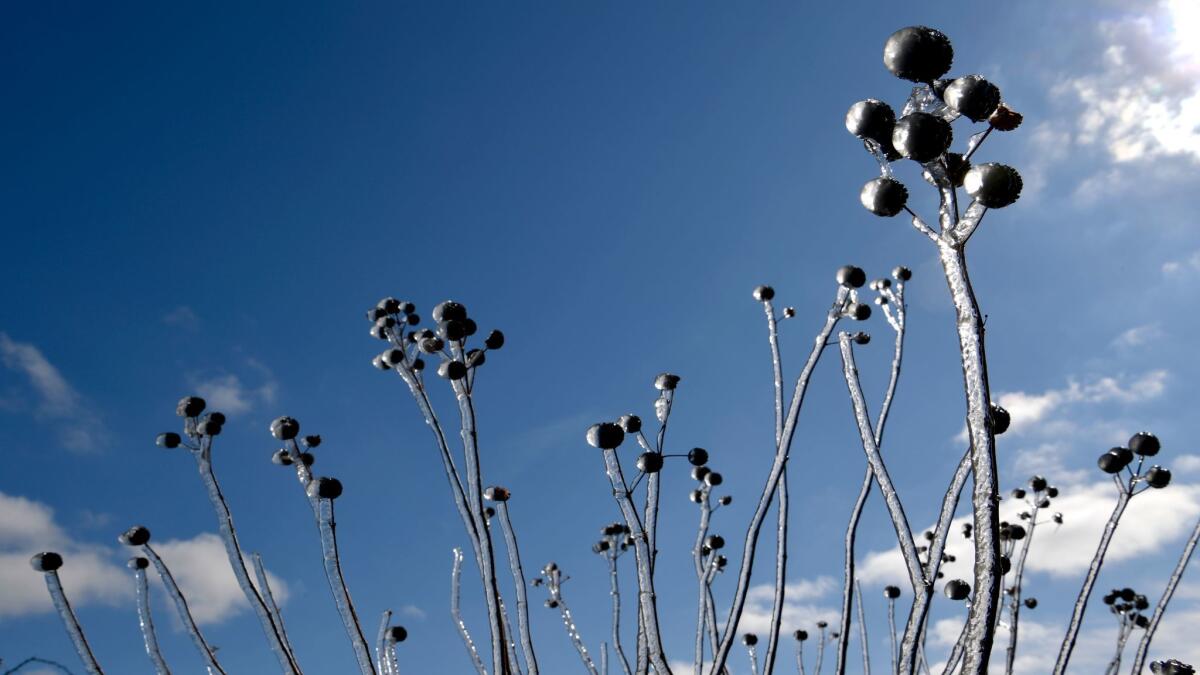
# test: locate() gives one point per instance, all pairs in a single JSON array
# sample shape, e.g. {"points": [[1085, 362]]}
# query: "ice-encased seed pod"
{"points": [[789, 312], [552, 603], [972, 97], [135, 536], [630, 424], [412, 319], [861, 338], [650, 462], [993, 185], [1128, 594], [600, 546], [666, 381], [891, 592], [380, 363], [1018, 493], [281, 457], [605, 435], [696, 496], [1031, 603], [1145, 444], [325, 488], [698, 473], [469, 326], [418, 364], [1158, 477], [1051, 491], [713, 479], [431, 345], [449, 311], [884, 197], [476, 358], [489, 512], [822, 624], [284, 428], [208, 428], [851, 276], [922, 137], [496, 493], [385, 322], [902, 273], [311, 441], [137, 562], [720, 562], [872, 120], [763, 293], [215, 416], [453, 330], [1005, 118], [1120, 458], [47, 561], [749, 639], [307, 458], [957, 589], [918, 54], [375, 314], [190, 406], [1038, 483], [452, 370], [389, 305], [1000, 419], [1016, 532], [859, 311], [800, 635], [494, 340], [397, 634], [406, 307], [1140, 603], [697, 457], [168, 439], [725, 500], [715, 542]]}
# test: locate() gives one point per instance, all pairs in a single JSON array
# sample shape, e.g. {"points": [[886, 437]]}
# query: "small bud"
{"points": [[135, 536], [48, 561], [168, 440], [764, 293], [325, 488], [605, 435], [190, 406], [697, 456]]}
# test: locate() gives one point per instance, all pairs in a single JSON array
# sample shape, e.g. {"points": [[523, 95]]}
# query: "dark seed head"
{"points": [[918, 53], [452, 370], [861, 338], [476, 358], [307, 458], [749, 639], [822, 624], [496, 493], [630, 424], [325, 488], [713, 479], [1145, 444], [972, 97], [168, 439], [697, 456], [311, 441], [389, 305], [725, 500], [891, 592], [957, 589], [871, 120], [190, 406], [764, 293], [1005, 118], [1031, 603], [1001, 420], [494, 340], [1018, 493], [666, 381], [922, 137], [137, 563], [449, 311], [1038, 483], [453, 330], [397, 634], [883, 196], [902, 273], [135, 536], [281, 457], [284, 428], [859, 311], [605, 435], [714, 542], [47, 561], [650, 462], [431, 345], [851, 276], [696, 496], [800, 635], [993, 185], [208, 428], [1158, 477], [1114, 460]]}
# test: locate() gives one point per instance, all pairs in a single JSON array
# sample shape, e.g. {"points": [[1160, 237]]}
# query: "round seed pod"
{"points": [[494, 340], [431, 345], [135, 536], [928, 535], [385, 322], [630, 424], [375, 314], [281, 457], [993, 185], [418, 364], [453, 330], [697, 457], [284, 428], [1051, 491], [452, 370], [1141, 603], [789, 312], [698, 473], [1005, 564], [137, 563], [922, 137], [822, 624], [902, 273], [1038, 483], [470, 327], [605, 435], [666, 382], [449, 311], [763, 293], [713, 479], [412, 319], [1018, 493], [552, 603], [749, 639], [325, 488], [1141, 621], [696, 496], [650, 462], [1158, 477], [168, 439], [1031, 603], [1058, 518], [859, 311], [1111, 597], [496, 493], [957, 589], [307, 458], [1000, 418], [1005, 118], [208, 428], [190, 406], [918, 54], [379, 363], [389, 305], [488, 512], [476, 358], [891, 592], [872, 120], [600, 546], [397, 634], [861, 338], [1128, 594], [1145, 444], [47, 561], [800, 635], [217, 417], [851, 276], [725, 500], [1016, 532], [393, 357], [883, 196], [311, 441], [714, 542], [972, 97]]}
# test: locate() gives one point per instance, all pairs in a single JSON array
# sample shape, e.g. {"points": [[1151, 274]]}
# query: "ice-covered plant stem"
{"points": [[181, 608], [145, 621], [1143, 649], [48, 563]]}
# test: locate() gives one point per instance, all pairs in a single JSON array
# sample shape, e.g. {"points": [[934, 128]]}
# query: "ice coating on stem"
{"points": [[614, 591], [74, 630], [702, 576], [1143, 649], [510, 644], [1014, 603], [752, 652], [820, 650], [554, 585], [518, 575], [880, 155], [185, 614], [1089, 581], [234, 553], [337, 584], [781, 525], [799, 657], [456, 613], [264, 585], [892, 631], [781, 452], [862, 628], [381, 644], [146, 624]]}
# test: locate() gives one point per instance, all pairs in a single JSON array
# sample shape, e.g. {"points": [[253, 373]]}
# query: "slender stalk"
{"points": [[752, 652], [233, 551], [892, 632], [647, 603], [1139, 660], [781, 530], [337, 584], [862, 629], [956, 652], [554, 585], [615, 593], [1123, 633], [381, 643], [518, 575], [781, 453], [34, 659], [260, 574], [1014, 605], [701, 575], [820, 650], [799, 657], [185, 614], [456, 614], [146, 623], [71, 623], [1068, 643]]}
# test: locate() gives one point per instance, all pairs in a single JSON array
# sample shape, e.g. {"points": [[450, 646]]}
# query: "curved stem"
{"points": [[185, 614], [1014, 605], [820, 650], [1068, 643], [892, 631], [146, 623], [615, 593], [862, 628], [381, 643], [337, 584], [781, 531], [260, 574], [1144, 645], [71, 623], [518, 575], [456, 614]]}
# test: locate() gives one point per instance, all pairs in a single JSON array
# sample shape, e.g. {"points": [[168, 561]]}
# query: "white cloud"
{"points": [[79, 428], [1180, 268], [201, 569], [800, 609], [229, 394], [1138, 336], [1186, 464], [182, 317]]}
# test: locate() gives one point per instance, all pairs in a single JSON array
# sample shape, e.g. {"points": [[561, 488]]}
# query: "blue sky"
{"points": [[207, 200]]}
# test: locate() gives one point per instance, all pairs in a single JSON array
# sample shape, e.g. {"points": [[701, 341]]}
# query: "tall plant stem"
{"points": [[518, 575], [264, 584], [1014, 605], [456, 614], [781, 454], [1143, 649], [185, 614], [614, 591], [892, 632], [701, 576], [781, 529], [146, 622], [862, 632], [71, 623], [1068, 643]]}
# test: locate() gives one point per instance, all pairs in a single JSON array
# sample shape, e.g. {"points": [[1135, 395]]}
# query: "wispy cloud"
{"points": [[50, 397], [1176, 269], [802, 606], [1138, 336], [202, 570], [230, 394], [182, 317]]}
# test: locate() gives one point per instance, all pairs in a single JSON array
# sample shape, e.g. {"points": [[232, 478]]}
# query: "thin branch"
{"points": [[518, 575], [781, 530], [71, 623], [1144, 646], [1014, 604], [381, 644], [553, 577], [145, 622], [862, 632], [615, 593], [456, 614], [260, 573], [185, 614]]}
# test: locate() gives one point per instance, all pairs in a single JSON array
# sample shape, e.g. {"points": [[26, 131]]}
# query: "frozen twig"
{"points": [[145, 622], [518, 575], [553, 580], [862, 632], [614, 591], [1014, 603], [264, 584], [1143, 649], [185, 614], [892, 633], [381, 644], [781, 530], [71, 623], [456, 614]]}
